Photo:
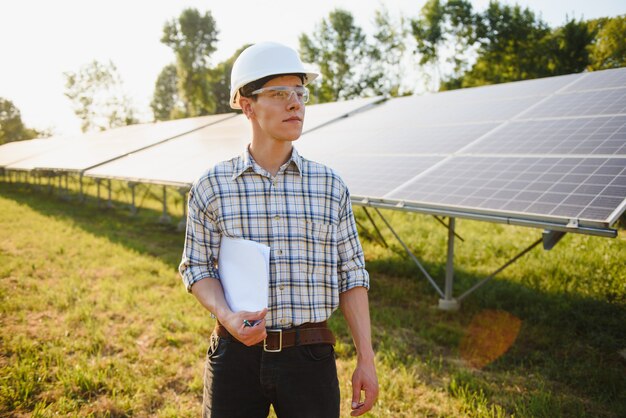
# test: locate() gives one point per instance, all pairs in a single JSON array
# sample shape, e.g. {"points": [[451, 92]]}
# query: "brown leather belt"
{"points": [[277, 339]]}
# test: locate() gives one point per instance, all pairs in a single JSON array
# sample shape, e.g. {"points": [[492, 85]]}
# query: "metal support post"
{"points": [[183, 221], [81, 195], [448, 303], [415, 260], [165, 218], [98, 191], [133, 207], [109, 200]]}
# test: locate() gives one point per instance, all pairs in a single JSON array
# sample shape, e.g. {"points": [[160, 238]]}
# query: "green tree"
{"points": [[569, 47], [340, 48], [11, 126], [445, 33], [389, 50], [219, 82], [608, 50], [193, 39], [513, 46], [166, 103], [97, 96]]}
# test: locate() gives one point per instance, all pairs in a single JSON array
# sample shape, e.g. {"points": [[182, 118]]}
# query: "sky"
{"points": [[42, 39]]}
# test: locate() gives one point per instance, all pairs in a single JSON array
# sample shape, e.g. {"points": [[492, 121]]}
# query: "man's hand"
{"points": [[210, 294], [364, 379], [248, 335]]}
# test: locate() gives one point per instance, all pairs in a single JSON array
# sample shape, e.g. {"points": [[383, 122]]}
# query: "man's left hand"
{"points": [[364, 379]]}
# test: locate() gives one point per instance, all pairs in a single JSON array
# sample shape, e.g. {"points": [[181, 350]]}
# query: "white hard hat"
{"points": [[261, 60]]}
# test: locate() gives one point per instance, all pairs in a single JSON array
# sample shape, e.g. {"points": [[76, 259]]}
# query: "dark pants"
{"points": [[242, 381]]}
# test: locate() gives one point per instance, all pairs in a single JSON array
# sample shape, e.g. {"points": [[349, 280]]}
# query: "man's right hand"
{"points": [[248, 335]]}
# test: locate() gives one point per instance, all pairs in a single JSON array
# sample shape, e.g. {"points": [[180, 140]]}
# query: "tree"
{"points": [[11, 126], [344, 57], [570, 53], [97, 95], [446, 39], [166, 102], [219, 82], [513, 46], [609, 47], [389, 50], [193, 38]]}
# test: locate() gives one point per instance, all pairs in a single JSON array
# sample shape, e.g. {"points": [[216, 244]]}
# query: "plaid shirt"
{"points": [[303, 214]]}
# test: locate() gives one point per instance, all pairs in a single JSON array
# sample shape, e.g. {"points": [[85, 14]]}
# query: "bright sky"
{"points": [[42, 39]]}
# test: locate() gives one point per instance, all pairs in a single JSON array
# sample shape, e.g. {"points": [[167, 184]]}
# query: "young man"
{"points": [[302, 211]]}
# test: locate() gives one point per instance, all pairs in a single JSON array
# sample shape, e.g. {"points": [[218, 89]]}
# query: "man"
{"points": [[282, 355]]}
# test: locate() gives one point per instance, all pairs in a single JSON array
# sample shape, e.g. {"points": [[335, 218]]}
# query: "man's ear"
{"points": [[246, 107]]}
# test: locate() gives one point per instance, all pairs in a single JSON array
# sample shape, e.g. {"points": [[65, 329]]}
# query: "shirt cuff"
{"points": [[192, 275], [354, 278]]}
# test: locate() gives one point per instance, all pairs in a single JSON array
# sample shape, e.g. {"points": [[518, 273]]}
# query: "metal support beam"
{"points": [[382, 239], [492, 275], [415, 260], [551, 238], [447, 227]]}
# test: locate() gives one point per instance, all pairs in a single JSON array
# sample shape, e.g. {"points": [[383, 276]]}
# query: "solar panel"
{"points": [[374, 175], [585, 135], [599, 80], [182, 160], [98, 147], [584, 103], [582, 188], [13, 152]]}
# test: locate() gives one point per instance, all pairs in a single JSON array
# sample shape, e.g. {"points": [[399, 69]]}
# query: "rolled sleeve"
{"points": [[351, 263], [202, 239]]}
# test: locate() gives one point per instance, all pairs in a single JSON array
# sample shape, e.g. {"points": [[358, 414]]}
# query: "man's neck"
{"points": [[271, 156]]}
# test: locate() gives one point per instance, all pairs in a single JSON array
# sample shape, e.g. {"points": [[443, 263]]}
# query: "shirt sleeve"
{"points": [[351, 263], [202, 239]]}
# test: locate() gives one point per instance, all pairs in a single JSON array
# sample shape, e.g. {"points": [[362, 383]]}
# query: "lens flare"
{"points": [[490, 334]]}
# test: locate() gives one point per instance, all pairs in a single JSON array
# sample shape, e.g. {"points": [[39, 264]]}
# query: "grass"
{"points": [[95, 320]]}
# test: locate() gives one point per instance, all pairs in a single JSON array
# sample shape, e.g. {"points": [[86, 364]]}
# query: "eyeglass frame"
{"points": [[291, 89]]}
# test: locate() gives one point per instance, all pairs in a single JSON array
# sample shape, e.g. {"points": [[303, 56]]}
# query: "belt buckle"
{"points": [[280, 341]]}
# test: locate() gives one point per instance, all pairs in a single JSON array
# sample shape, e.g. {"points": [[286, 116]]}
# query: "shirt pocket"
{"points": [[318, 243]]}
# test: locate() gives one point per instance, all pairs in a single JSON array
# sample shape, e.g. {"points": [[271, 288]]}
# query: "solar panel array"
{"points": [[94, 148], [548, 151], [181, 160]]}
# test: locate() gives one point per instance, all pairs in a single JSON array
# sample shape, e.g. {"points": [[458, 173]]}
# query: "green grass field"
{"points": [[95, 320]]}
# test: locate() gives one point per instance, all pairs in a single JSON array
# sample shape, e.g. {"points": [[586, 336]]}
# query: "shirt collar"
{"points": [[245, 162]]}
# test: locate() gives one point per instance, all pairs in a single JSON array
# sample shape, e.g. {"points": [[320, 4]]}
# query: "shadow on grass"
{"points": [[141, 232], [567, 344]]}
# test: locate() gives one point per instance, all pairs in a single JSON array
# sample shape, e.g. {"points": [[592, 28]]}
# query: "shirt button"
{"points": [[283, 321], [277, 217], [279, 252], [281, 287]]}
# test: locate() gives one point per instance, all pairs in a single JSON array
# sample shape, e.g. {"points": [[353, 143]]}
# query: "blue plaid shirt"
{"points": [[303, 214]]}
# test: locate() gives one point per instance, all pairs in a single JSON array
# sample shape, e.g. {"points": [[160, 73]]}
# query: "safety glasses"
{"points": [[285, 93]]}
